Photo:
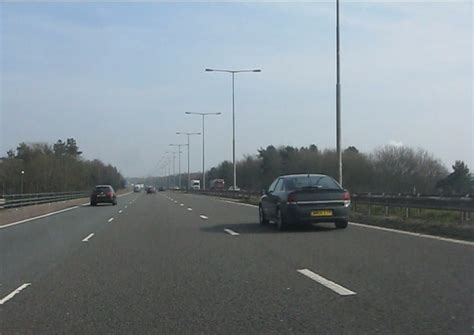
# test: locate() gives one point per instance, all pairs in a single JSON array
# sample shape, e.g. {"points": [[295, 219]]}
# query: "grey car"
{"points": [[305, 199]]}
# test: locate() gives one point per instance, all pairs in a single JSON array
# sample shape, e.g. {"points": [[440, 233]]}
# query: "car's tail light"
{"points": [[291, 199], [347, 199], [109, 194]]}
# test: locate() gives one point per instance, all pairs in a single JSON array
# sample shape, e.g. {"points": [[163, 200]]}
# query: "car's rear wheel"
{"points": [[280, 221], [261, 216], [114, 203], [341, 224]]}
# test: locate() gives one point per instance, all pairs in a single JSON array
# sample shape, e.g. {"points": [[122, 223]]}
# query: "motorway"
{"points": [[173, 263]]}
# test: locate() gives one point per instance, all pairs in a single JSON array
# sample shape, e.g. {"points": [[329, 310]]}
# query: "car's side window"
{"points": [[281, 186], [278, 185], [272, 186]]}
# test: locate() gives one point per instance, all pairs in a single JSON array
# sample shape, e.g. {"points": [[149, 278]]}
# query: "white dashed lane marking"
{"points": [[110, 220], [203, 217], [231, 232], [326, 282], [88, 237], [15, 292]]}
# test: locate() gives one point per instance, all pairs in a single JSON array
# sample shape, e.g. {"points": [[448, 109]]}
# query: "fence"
{"points": [[19, 200], [463, 205]]}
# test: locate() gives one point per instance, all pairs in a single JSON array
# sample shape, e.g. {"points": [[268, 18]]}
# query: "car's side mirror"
{"points": [[265, 192]]}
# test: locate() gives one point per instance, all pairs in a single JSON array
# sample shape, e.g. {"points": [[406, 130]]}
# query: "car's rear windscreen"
{"points": [[102, 189], [321, 182]]}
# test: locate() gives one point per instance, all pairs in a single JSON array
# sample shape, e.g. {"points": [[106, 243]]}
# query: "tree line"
{"points": [[53, 168], [389, 169]]}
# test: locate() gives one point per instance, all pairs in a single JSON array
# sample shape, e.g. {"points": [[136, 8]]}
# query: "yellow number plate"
{"points": [[321, 213]]}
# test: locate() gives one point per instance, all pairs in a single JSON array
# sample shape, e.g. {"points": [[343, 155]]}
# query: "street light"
{"points": [[22, 174], [173, 153], [187, 134], [162, 170], [179, 161], [338, 99], [203, 168], [233, 72], [168, 165]]}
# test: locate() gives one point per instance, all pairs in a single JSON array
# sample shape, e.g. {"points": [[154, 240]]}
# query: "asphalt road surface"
{"points": [[172, 263]]}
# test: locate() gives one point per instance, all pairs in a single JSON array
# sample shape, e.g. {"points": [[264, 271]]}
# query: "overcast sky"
{"points": [[119, 77]]}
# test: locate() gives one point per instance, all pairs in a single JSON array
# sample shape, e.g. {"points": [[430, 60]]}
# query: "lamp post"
{"points": [[179, 161], [22, 174], [173, 153], [233, 72], [162, 170], [168, 180], [338, 99], [188, 134], [203, 166]]}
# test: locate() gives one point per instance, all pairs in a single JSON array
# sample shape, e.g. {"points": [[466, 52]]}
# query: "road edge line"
{"points": [[433, 237], [38, 217]]}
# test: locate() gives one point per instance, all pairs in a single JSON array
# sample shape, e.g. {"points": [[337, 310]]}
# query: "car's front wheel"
{"points": [[341, 224], [261, 216]]}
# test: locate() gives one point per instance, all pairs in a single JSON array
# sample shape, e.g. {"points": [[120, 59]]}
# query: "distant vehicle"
{"points": [[161, 189], [217, 184], [196, 184], [137, 188], [150, 190], [305, 199], [103, 194], [234, 189]]}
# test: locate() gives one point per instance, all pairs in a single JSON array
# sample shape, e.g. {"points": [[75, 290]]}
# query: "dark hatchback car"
{"points": [[305, 199], [150, 190], [103, 194]]}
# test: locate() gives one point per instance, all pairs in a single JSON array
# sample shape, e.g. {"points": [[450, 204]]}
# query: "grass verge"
{"points": [[424, 222], [459, 230]]}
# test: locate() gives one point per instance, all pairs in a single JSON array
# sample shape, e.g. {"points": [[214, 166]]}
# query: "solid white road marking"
{"points": [[88, 237], [231, 232], [111, 219], [120, 211], [452, 240], [182, 205], [237, 203], [203, 217], [49, 214], [325, 282], [15, 292], [190, 209], [37, 217], [439, 238]]}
